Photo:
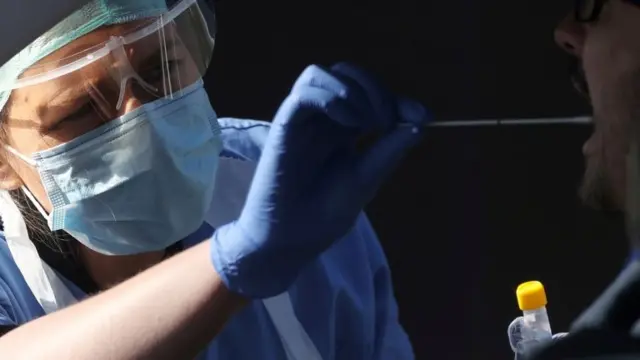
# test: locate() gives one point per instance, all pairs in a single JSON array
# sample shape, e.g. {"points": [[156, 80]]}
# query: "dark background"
{"points": [[473, 211]]}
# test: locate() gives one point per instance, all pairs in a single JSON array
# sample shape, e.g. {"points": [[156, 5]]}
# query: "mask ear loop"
{"points": [[24, 158], [26, 191], [46, 286], [36, 203]]}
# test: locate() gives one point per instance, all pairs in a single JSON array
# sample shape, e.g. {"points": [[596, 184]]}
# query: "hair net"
{"points": [[93, 15]]}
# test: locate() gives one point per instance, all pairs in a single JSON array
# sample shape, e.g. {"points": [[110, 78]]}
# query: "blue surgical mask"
{"points": [[138, 183]]}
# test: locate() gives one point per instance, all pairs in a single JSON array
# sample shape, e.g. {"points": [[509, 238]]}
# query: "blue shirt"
{"points": [[344, 300]]}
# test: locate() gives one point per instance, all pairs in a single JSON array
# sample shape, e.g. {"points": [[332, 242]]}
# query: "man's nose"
{"points": [[569, 35]]}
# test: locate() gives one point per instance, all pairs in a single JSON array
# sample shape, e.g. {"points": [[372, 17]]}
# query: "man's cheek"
{"points": [[610, 73], [596, 66]]}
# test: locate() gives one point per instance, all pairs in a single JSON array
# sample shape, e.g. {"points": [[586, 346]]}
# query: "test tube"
{"points": [[534, 326]]}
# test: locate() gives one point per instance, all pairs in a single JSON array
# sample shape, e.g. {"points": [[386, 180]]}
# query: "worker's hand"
{"points": [[518, 346], [311, 182]]}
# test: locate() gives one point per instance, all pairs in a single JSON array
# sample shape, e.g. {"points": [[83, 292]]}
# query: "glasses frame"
{"points": [[593, 15], [595, 11]]}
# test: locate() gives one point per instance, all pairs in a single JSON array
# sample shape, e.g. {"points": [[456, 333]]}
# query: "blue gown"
{"points": [[341, 307]]}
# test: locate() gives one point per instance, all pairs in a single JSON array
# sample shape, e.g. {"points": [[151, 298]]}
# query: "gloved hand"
{"points": [[519, 347], [311, 182]]}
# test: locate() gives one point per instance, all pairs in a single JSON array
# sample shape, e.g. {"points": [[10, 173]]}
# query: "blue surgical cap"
{"points": [[93, 15]]}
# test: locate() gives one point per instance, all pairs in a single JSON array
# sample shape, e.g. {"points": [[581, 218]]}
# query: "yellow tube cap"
{"points": [[531, 295]]}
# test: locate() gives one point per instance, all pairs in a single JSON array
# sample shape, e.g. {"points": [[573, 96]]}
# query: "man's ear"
{"points": [[9, 179]]}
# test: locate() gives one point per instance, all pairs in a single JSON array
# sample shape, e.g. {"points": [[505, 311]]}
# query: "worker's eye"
{"points": [[79, 116], [588, 11], [164, 70]]}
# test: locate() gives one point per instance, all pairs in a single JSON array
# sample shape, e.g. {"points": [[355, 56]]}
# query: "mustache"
{"points": [[578, 77]]}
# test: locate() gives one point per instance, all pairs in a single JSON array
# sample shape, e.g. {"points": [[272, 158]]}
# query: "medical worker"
{"points": [[138, 225], [602, 36]]}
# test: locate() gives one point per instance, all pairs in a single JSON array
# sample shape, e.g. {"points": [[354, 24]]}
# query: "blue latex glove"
{"points": [[311, 182], [518, 346]]}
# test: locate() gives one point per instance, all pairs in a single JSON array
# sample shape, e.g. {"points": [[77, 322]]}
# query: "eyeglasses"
{"points": [[586, 11]]}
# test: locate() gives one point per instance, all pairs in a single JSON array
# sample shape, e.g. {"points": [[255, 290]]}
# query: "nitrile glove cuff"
{"points": [[249, 268]]}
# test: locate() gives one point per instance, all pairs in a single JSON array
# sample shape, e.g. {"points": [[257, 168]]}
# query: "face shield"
{"points": [[113, 69]]}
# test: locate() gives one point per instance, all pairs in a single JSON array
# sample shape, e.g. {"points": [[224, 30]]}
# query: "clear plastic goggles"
{"points": [[117, 68]]}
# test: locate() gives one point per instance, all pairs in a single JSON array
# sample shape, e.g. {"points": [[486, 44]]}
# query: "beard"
{"points": [[616, 104], [597, 189]]}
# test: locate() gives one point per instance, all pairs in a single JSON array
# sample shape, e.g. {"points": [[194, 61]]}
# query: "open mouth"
{"points": [[578, 78]]}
